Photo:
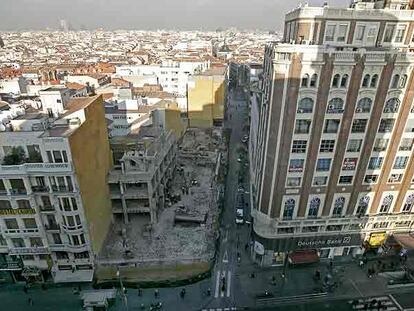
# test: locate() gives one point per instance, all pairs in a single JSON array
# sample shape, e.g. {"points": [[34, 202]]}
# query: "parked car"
{"points": [[239, 216]]}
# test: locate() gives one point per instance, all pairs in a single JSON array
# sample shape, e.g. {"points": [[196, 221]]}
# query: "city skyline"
{"points": [[160, 14]]}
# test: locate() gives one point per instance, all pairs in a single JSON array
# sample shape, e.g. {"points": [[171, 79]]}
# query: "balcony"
{"points": [[40, 189], [11, 266], [28, 168], [28, 250], [3, 192]]}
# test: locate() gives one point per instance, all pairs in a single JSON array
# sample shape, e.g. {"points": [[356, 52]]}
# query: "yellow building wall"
{"points": [[174, 122], [206, 100], [92, 160]]}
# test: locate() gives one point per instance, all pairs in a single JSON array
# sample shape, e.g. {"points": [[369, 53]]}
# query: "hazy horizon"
{"points": [[156, 14]]}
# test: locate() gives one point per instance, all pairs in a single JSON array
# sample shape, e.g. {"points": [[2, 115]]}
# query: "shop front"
{"points": [[272, 252]]}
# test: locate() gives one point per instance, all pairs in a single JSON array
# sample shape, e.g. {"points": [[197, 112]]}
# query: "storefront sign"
{"points": [[310, 242], [325, 242], [19, 211]]}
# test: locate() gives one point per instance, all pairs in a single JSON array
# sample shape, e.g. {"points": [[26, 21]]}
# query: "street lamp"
{"points": [[124, 296]]}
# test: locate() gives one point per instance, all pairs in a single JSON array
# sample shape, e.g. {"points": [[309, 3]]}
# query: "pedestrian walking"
{"points": [[156, 293], [208, 292], [30, 301], [361, 263], [25, 289]]}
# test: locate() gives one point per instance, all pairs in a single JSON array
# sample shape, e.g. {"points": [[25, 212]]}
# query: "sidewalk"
{"points": [[351, 279]]}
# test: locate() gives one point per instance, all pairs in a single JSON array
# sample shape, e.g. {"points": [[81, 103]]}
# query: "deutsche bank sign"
{"points": [[324, 242]]}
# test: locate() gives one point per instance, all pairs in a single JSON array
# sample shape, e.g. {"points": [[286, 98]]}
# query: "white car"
{"points": [[239, 216], [245, 139]]}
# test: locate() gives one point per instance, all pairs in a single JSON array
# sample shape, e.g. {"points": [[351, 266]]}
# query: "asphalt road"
{"points": [[233, 237]]}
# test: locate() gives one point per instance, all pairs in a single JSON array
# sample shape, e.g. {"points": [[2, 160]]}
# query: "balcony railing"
{"points": [[62, 189], [35, 168], [40, 189], [17, 191], [52, 227], [3, 192], [28, 250], [47, 208]]}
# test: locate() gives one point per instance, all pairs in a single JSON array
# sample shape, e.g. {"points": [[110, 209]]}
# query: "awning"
{"points": [[302, 257], [406, 240]]}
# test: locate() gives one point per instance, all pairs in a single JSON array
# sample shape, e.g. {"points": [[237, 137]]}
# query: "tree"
{"points": [[17, 156]]}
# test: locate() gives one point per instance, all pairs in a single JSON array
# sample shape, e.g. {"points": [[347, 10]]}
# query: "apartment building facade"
{"points": [[332, 168], [54, 199], [144, 165]]}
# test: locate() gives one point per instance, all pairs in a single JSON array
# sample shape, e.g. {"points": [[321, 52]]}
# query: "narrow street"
{"points": [[233, 237]]}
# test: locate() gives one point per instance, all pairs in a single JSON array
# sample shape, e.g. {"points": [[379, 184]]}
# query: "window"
{"points": [[18, 242], [335, 80], [354, 145], [327, 145], [296, 165], [392, 105], [334, 228], [345, 180], [386, 203], [293, 181], [359, 125], [30, 223], [374, 81], [372, 35], [288, 210], [386, 125], [11, 224], [4, 204], [360, 31], [400, 162], [305, 105], [395, 80], [56, 238], [338, 207], [23, 204], [403, 81], [381, 144], [310, 229], [406, 144], [365, 81], [331, 126], [36, 242], [323, 165], [335, 105], [62, 255], [302, 126], [389, 33], [349, 164], [82, 255], [330, 33], [370, 179], [362, 206], [399, 35], [408, 204], [364, 105], [314, 80], [305, 80], [395, 178], [57, 156], [409, 127], [320, 180], [299, 146], [344, 81], [342, 33], [375, 163], [314, 208]]}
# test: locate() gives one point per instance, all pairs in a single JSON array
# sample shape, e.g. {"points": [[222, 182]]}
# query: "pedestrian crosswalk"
{"points": [[223, 284], [376, 303], [221, 309]]}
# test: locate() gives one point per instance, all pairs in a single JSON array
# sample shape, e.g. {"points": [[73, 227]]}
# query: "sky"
{"points": [[149, 14]]}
